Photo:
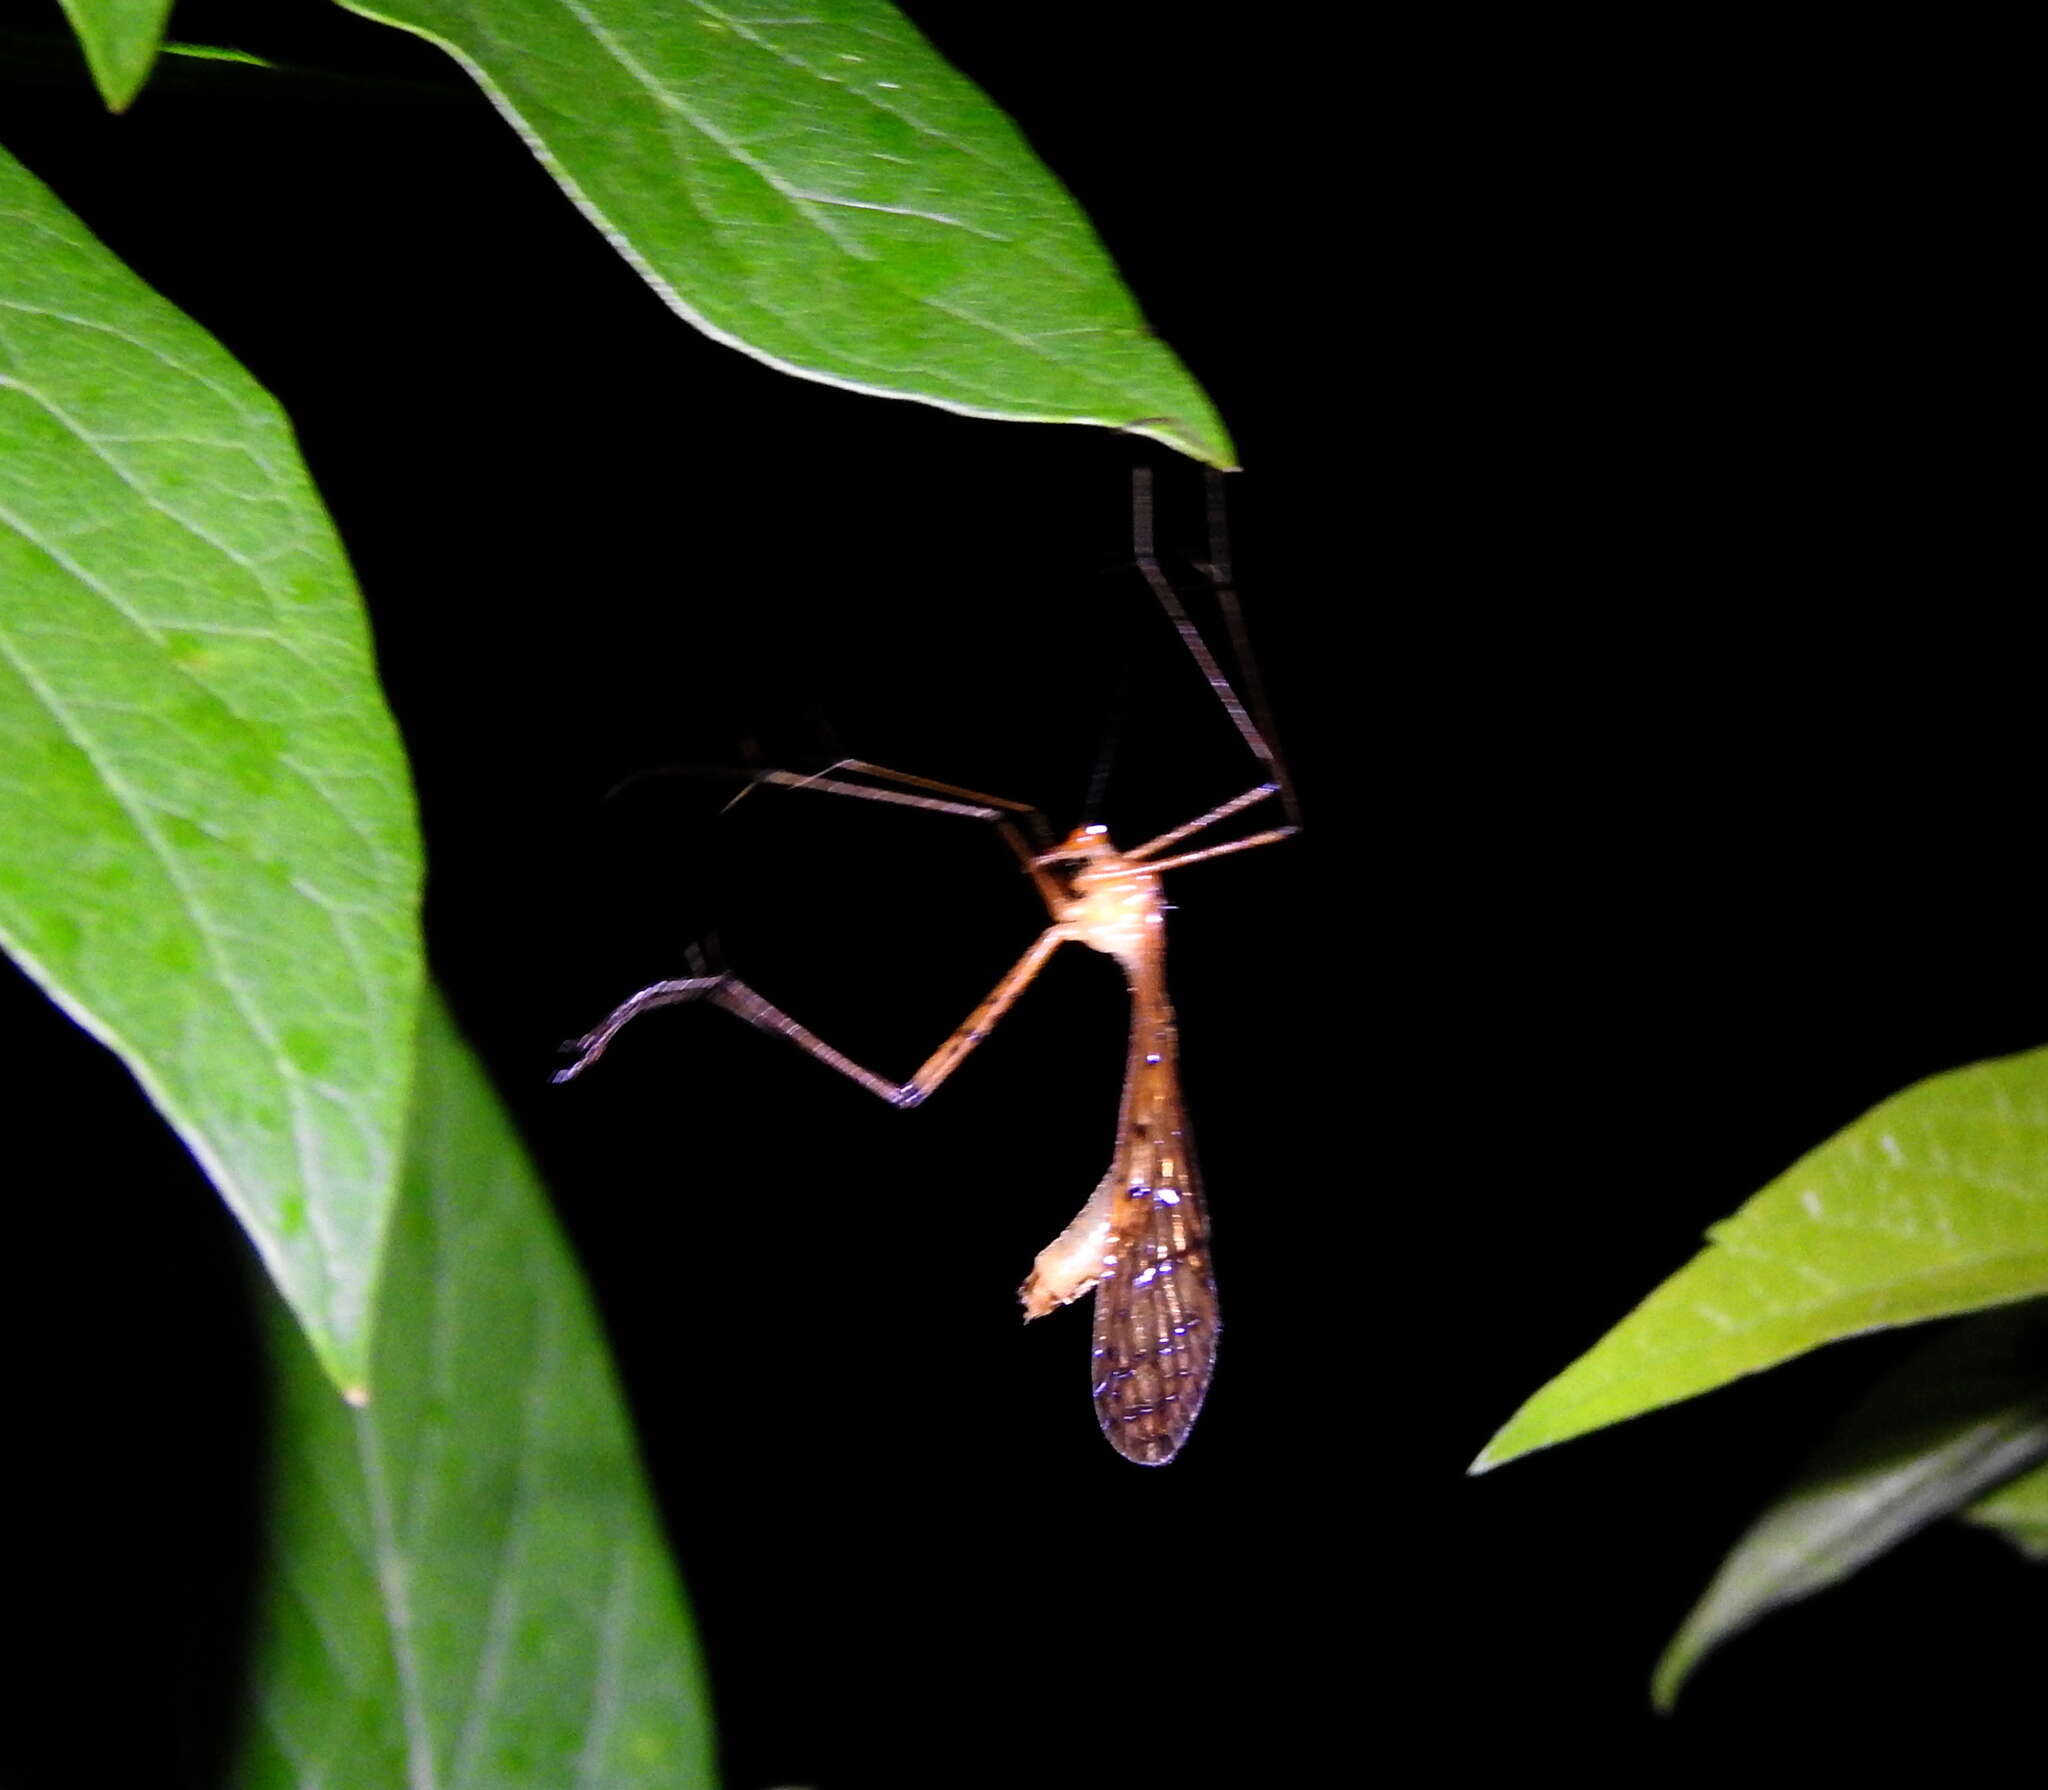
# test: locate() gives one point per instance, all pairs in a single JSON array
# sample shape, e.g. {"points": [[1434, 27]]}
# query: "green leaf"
{"points": [[818, 189], [207, 849], [219, 53], [120, 40], [2018, 1510], [1934, 1203], [466, 1583], [1967, 1412]]}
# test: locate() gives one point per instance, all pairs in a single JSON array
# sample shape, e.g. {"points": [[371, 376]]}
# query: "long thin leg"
{"points": [[972, 804], [863, 768], [1219, 573], [827, 784], [736, 998], [1224, 850], [978, 1024], [591, 1045], [1253, 723], [1223, 811], [1191, 636]]}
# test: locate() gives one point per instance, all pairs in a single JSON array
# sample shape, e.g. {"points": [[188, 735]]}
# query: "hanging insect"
{"points": [[1141, 1243]]}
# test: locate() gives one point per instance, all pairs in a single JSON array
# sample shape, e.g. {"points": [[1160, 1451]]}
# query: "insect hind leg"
{"points": [[735, 997]]}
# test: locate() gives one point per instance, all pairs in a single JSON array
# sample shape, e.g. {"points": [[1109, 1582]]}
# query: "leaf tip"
{"points": [[1669, 1678], [1209, 445], [1506, 1444]]}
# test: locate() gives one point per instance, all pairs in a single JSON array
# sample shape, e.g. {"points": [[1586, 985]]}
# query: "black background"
{"points": [[1629, 537]]}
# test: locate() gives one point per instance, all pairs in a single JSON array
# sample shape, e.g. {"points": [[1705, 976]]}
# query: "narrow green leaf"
{"points": [[467, 1585], [1966, 1412], [2018, 1510], [219, 53], [120, 40], [817, 188], [1934, 1203], [207, 849]]}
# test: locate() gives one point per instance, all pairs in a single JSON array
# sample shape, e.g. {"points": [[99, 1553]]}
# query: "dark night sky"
{"points": [[1628, 536]]}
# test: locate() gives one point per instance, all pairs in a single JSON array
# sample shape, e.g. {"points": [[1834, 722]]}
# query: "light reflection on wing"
{"points": [[1156, 1320]]}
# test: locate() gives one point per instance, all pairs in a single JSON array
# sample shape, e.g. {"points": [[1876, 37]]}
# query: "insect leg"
{"points": [[591, 1045], [1224, 850], [978, 1024], [1223, 811], [971, 803], [730, 993], [735, 997]]}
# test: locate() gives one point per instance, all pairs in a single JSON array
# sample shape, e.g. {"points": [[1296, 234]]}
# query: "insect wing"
{"points": [[1156, 1320]]}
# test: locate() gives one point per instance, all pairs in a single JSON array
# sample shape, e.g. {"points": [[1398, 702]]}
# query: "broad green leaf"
{"points": [[207, 849], [120, 39], [467, 1585], [2018, 1510], [1967, 1412], [818, 189], [1934, 1203]]}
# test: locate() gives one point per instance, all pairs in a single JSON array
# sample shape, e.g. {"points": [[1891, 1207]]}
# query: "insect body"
{"points": [[1141, 1242]]}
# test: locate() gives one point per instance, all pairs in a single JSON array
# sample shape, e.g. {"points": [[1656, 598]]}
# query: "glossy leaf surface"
{"points": [[467, 1583], [1933, 1203], [120, 39], [207, 847], [1967, 1412], [820, 190], [2018, 1510]]}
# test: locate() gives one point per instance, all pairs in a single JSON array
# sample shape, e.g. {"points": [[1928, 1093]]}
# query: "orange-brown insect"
{"points": [[1141, 1243]]}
